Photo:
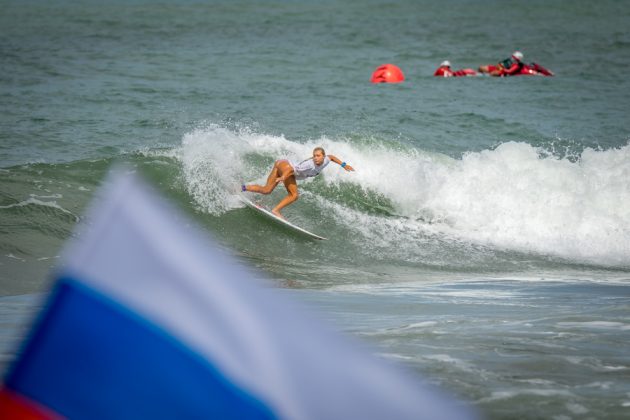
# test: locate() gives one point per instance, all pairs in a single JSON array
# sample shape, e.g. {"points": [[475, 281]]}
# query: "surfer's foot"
{"points": [[277, 213], [243, 188]]}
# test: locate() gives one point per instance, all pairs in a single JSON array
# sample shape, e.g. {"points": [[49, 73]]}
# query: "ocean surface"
{"points": [[484, 239]]}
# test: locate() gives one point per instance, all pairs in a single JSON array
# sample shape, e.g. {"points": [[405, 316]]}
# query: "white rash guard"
{"points": [[307, 168]]}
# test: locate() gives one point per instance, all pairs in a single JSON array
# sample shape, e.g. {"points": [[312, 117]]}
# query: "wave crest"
{"points": [[515, 197]]}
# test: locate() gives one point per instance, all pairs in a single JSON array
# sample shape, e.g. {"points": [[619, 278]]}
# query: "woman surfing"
{"points": [[289, 172]]}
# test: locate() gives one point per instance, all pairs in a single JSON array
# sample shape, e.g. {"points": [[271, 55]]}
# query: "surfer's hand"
{"points": [[348, 168]]}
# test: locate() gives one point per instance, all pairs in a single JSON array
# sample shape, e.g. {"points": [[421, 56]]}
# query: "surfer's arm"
{"points": [[338, 161]]}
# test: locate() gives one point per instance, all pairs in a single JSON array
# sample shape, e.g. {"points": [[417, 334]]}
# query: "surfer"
{"points": [[289, 172]]}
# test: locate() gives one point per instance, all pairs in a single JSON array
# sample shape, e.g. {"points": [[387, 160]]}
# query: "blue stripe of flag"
{"points": [[90, 357]]}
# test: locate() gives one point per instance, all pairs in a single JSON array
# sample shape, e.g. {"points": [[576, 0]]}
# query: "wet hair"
{"points": [[321, 149]]}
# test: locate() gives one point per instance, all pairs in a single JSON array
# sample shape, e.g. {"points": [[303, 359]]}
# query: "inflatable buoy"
{"points": [[387, 73]]}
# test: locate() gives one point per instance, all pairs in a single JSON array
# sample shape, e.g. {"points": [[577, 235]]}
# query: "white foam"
{"points": [[595, 364], [47, 196], [609, 325], [403, 329], [36, 202], [515, 197], [212, 165], [576, 408], [456, 363], [504, 395]]}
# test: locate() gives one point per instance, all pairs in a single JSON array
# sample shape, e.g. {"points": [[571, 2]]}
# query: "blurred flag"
{"points": [[148, 319]]}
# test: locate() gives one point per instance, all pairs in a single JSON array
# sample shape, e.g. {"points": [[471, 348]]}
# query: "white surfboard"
{"points": [[262, 210]]}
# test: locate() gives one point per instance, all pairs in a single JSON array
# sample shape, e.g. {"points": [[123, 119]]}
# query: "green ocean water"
{"points": [[485, 237]]}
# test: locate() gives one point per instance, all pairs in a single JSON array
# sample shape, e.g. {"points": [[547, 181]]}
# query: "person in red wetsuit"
{"points": [[513, 65], [445, 71], [509, 67]]}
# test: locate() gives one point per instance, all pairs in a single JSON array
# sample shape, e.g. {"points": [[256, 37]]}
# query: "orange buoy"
{"points": [[387, 73]]}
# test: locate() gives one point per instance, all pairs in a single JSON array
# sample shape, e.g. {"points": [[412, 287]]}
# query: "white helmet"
{"points": [[445, 63], [518, 55]]}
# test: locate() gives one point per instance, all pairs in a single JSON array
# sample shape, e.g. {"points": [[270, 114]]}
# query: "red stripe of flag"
{"points": [[16, 406]]}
